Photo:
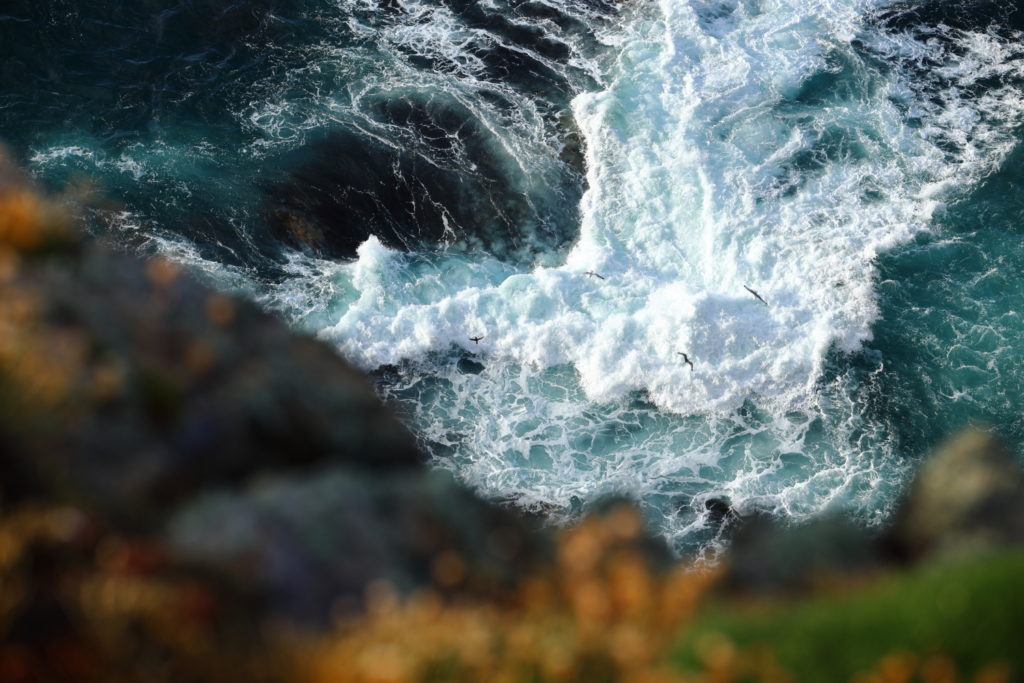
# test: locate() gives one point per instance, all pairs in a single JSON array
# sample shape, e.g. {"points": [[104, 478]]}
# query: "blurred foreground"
{"points": [[191, 492]]}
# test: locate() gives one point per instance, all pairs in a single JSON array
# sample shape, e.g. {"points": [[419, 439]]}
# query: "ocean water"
{"points": [[398, 176]]}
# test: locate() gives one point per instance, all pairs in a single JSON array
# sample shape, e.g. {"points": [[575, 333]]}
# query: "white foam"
{"points": [[695, 190]]}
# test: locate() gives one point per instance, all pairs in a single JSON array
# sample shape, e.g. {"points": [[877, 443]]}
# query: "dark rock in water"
{"points": [[718, 510], [573, 152], [312, 543], [575, 505], [969, 495], [469, 367], [445, 182]]}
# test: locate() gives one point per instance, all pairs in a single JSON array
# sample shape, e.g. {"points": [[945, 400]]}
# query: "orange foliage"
{"points": [[115, 611], [904, 667], [29, 222], [38, 360], [601, 613]]}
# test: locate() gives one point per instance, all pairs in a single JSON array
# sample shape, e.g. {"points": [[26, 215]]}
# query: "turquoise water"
{"points": [[950, 325], [397, 177]]}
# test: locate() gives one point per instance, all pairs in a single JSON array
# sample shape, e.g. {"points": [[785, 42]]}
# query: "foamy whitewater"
{"points": [[781, 145]]}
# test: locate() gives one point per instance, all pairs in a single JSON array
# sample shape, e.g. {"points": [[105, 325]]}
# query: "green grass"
{"points": [[971, 611]]}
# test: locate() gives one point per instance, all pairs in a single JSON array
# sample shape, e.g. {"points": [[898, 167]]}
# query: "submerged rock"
{"points": [[719, 511], [448, 182], [468, 366]]}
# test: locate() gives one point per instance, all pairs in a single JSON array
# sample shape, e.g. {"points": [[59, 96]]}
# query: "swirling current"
{"points": [[590, 188]]}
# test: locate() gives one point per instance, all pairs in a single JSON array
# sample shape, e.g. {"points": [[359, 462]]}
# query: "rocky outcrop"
{"points": [[193, 421], [129, 386], [311, 544], [768, 558], [968, 496]]}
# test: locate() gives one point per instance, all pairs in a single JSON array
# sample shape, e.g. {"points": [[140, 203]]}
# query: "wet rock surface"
{"points": [[451, 187]]}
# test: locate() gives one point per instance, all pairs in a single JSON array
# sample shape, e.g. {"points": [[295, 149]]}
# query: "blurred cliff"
{"points": [[191, 492], [181, 445]]}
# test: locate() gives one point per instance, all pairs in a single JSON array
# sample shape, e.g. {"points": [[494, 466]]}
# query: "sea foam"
{"points": [[714, 161], [777, 145]]}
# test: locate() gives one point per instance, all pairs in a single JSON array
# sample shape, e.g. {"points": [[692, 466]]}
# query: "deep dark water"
{"points": [[951, 319], [447, 186], [958, 14], [167, 107]]}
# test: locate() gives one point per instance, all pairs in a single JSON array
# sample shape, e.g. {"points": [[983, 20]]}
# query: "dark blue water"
{"points": [[233, 125]]}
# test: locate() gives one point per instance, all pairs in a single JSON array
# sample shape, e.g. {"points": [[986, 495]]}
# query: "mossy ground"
{"points": [[955, 620]]}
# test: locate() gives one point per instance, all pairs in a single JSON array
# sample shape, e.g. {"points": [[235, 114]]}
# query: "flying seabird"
{"points": [[755, 294], [476, 340], [591, 273], [686, 359]]}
